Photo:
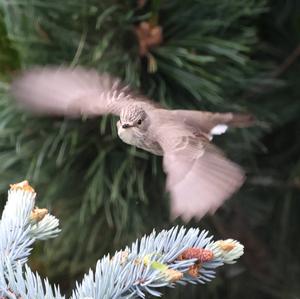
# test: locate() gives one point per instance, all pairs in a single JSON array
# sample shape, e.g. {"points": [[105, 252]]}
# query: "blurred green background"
{"points": [[232, 55]]}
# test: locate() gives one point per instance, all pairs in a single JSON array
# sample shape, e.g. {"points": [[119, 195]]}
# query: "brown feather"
{"points": [[204, 121], [199, 177], [73, 92]]}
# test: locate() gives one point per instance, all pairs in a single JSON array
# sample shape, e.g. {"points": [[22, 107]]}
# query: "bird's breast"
{"points": [[127, 136], [130, 136]]}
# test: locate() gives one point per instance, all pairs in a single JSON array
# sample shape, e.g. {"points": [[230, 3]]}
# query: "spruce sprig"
{"points": [[175, 256]]}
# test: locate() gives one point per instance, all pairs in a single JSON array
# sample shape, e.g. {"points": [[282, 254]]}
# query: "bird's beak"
{"points": [[125, 126]]}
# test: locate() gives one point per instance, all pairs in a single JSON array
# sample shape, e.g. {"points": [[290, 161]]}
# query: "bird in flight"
{"points": [[199, 176]]}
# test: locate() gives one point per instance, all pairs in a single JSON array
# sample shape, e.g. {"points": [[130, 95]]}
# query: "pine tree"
{"points": [[210, 57]]}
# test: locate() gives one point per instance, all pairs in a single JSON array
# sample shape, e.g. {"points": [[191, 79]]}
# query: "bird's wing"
{"points": [[205, 121], [199, 177], [72, 92]]}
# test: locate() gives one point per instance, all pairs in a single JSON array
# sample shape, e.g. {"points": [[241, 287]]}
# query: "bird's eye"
{"points": [[139, 122]]}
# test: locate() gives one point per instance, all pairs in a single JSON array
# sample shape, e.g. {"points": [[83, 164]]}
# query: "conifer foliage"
{"points": [[211, 55], [158, 260]]}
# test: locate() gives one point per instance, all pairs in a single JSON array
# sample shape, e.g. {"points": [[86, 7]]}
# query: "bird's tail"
{"points": [[241, 120]]}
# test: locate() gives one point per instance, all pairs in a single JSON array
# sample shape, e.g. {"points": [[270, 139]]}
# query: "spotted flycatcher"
{"points": [[199, 176]]}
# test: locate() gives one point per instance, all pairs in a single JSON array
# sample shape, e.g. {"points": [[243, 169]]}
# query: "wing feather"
{"points": [[72, 92], [199, 177], [205, 121]]}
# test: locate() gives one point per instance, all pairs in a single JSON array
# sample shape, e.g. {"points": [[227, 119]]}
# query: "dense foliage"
{"points": [[216, 55]]}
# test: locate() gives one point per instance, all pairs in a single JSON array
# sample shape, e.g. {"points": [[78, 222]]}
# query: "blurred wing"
{"points": [[199, 177], [73, 92], [205, 121]]}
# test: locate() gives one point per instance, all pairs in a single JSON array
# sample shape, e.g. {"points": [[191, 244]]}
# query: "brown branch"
{"points": [[289, 61]]}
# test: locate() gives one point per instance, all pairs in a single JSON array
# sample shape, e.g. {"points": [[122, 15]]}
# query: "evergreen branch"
{"points": [[158, 260], [172, 256], [21, 224], [18, 281]]}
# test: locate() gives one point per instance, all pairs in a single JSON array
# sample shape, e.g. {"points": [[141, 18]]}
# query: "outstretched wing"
{"points": [[205, 121], [73, 92], [199, 177]]}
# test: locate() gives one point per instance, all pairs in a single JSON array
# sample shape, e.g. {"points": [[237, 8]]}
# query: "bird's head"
{"points": [[133, 124], [133, 116]]}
